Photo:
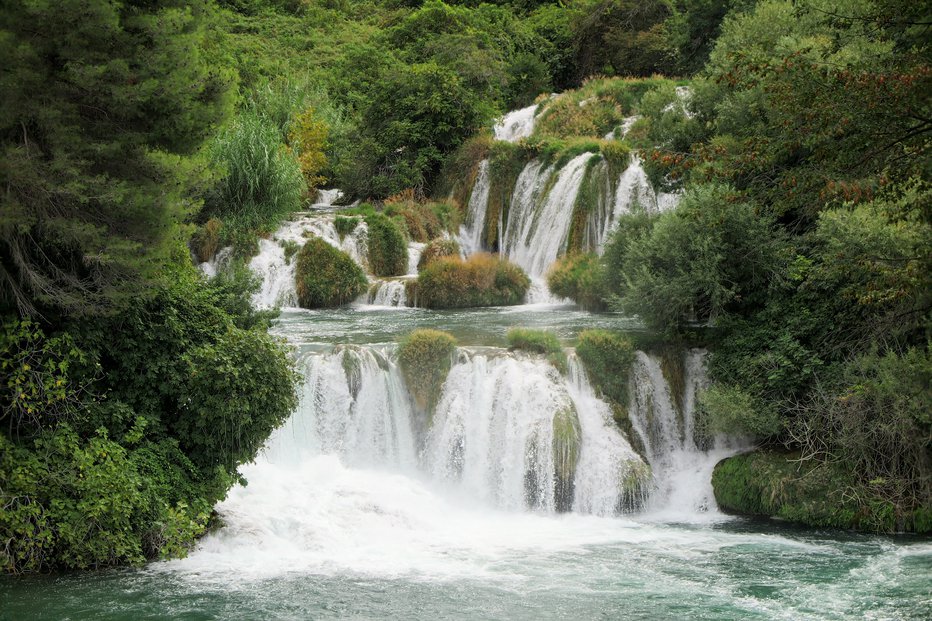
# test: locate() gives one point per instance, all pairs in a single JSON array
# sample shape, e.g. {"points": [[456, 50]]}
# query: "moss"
{"points": [[480, 280], [538, 342], [388, 250], [607, 357], [437, 249], [206, 240], [815, 494], [425, 357], [345, 226], [290, 248], [566, 439], [326, 276], [581, 278], [506, 161], [673, 368]]}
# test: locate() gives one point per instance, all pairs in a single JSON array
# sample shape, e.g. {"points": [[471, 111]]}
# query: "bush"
{"points": [[425, 357], [679, 268], [730, 410], [437, 249], [480, 280], [206, 240], [607, 357], [326, 276], [580, 278], [538, 342], [388, 250]]}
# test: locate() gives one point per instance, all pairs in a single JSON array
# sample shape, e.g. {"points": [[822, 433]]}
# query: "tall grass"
{"points": [[261, 181]]}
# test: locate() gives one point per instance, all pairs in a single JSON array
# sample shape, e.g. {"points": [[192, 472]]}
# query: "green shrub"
{"points": [[607, 357], [344, 225], [326, 276], [538, 342], [290, 249], [728, 409], [425, 357], [480, 280], [388, 250], [580, 278], [436, 249]]}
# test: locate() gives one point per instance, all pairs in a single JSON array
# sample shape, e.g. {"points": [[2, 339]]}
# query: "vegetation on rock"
{"points": [[388, 250], [437, 249], [538, 342], [326, 276], [425, 357], [480, 280], [607, 357]]}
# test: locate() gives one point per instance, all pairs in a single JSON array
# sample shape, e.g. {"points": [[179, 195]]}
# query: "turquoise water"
{"points": [[737, 570], [324, 539]]}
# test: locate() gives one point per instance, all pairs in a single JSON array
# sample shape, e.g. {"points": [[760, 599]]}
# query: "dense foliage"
{"points": [[326, 276], [480, 280]]}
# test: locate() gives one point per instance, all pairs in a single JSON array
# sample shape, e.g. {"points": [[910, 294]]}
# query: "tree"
{"points": [[104, 104]]}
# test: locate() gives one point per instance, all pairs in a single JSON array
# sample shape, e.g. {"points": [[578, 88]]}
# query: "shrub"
{"points": [[388, 250], [607, 357], [580, 278], [480, 280], [728, 409], [326, 276], [344, 225], [437, 249], [538, 342], [425, 357], [206, 240]]}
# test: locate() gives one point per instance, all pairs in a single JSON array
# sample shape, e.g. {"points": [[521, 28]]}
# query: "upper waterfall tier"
{"points": [[552, 209], [516, 125]]}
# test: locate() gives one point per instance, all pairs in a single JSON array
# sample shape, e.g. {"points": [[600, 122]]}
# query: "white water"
{"points": [[516, 125], [277, 270], [470, 237], [387, 293], [538, 227], [682, 471]]}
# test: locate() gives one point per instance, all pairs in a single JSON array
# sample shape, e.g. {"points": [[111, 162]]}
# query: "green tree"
{"points": [[103, 104]]}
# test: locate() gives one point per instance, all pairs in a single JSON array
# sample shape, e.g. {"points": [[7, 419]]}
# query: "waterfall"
{"points": [[538, 227], [387, 293], [470, 237], [516, 124], [665, 424], [353, 404]]}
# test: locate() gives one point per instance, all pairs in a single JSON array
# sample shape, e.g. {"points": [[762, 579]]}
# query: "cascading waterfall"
{"points": [[509, 429], [516, 125], [387, 293], [665, 425], [538, 223], [470, 237], [353, 405]]}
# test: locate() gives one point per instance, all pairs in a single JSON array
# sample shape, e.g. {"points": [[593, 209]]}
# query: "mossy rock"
{"points": [[566, 443], [779, 485], [607, 357], [327, 277], [480, 280], [425, 357], [437, 249], [345, 225], [388, 250], [538, 342]]}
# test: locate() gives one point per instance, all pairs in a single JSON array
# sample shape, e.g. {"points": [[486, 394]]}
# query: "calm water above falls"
{"points": [[345, 515]]}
